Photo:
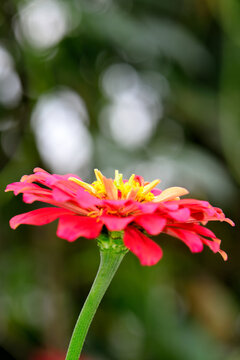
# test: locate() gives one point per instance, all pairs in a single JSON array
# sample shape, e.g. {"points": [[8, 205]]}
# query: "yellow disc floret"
{"points": [[118, 189]]}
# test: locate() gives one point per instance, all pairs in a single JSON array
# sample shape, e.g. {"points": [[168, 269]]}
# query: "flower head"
{"points": [[134, 206]]}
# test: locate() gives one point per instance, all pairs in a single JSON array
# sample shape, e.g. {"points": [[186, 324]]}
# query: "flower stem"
{"points": [[110, 261]]}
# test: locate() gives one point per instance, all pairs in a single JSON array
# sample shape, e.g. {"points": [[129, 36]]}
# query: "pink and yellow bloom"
{"points": [[133, 206]]}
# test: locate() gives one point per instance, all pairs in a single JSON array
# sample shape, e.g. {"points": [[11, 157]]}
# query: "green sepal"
{"points": [[112, 241]]}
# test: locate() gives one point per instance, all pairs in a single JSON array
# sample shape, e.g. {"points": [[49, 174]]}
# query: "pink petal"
{"points": [[67, 186], [229, 221], [193, 203], [110, 188], [60, 195], [86, 200], [181, 215], [55, 180], [71, 227], [139, 179], [38, 169], [38, 217], [223, 254], [67, 176], [171, 206], [13, 187], [122, 207], [213, 245], [20, 187], [116, 223], [156, 192], [148, 207], [30, 198], [171, 194], [193, 241], [47, 179], [203, 231], [196, 228], [148, 252], [116, 204], [152, 223]]}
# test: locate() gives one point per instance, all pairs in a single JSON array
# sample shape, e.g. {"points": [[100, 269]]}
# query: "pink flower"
{"points": [[134, 206]]}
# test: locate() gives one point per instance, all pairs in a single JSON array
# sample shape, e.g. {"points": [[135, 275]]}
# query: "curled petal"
{"points": [[171, 193], [139, 179], [148, 252], [213, 245], [71, 227], [29, 198], [38, 169], [223, 254], [37, 177], [229, 221], [38, 217], [191, 239], [110, 188], [19, 187], [203, 231]]}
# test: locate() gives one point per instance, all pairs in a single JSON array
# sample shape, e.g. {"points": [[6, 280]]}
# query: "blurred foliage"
{"points": [[147, 86]]}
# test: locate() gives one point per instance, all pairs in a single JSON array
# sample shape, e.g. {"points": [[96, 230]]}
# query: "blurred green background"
{"points": [[150, 87]]}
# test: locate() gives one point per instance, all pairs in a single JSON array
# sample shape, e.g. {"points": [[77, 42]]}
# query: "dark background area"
{"points": [[150, 87]]}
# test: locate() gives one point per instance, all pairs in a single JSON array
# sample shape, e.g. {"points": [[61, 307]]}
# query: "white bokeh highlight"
{"points": [[191, 168], [59, 122], [6, 63], [10, 85], [44, 23], [134, 109]]}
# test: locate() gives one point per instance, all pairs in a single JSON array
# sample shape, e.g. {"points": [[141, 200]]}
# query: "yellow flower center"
{"points": [[119, 189], [125, 189]]}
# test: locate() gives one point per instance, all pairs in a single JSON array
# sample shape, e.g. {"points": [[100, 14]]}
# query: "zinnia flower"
{"points": [[133, 206]]}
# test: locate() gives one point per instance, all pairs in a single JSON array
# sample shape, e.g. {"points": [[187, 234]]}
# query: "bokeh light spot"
{"points": [[59, 123], [134, 110], [10, 85], [44, 22]]}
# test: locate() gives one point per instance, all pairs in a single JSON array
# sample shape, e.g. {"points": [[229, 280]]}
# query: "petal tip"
{"points": [[13, 224], [229, 221], [223, 254], [151, 262], [38, 169]]}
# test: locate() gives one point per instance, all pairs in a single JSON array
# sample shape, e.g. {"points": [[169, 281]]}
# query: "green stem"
{"points": [[110, 261]]}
